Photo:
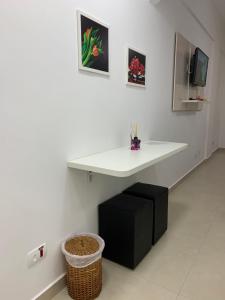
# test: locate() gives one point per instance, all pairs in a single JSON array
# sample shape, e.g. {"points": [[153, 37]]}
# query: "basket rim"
{"points": [[96, 236]]}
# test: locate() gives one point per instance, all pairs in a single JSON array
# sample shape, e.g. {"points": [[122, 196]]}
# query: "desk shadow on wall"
{"points": [[81, 199]]}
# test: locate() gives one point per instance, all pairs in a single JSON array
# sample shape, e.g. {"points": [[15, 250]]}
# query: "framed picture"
{"points": [[93, 44], [135, 67]]}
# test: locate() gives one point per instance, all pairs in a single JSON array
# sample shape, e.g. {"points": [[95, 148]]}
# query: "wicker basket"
{"points": [[84, 283]]}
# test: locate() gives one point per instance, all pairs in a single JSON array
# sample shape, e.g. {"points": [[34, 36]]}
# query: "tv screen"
{"points": [[200, 68]]}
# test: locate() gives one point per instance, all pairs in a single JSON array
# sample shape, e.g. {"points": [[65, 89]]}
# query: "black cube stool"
{"points": [[159, 196], [125, 223]]}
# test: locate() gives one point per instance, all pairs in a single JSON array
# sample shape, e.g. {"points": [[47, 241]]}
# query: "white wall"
{"points": [[207, 15], [221, 93], [51, 113]]}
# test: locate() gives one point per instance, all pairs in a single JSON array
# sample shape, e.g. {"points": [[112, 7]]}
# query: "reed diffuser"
{"points": [[135, 142]]}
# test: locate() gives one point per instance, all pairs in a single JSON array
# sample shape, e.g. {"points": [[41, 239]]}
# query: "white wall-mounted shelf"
{"points": [[195, 101], [122, 162]]}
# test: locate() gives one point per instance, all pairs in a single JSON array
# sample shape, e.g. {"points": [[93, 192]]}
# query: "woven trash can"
{"points": [[83, 253]]}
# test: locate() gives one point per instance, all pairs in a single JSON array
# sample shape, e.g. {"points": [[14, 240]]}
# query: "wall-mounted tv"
{"points": [[199, 68]]}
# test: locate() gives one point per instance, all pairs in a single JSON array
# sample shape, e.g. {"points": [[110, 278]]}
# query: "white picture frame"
{"points": [[100, 65], [143, 58]]}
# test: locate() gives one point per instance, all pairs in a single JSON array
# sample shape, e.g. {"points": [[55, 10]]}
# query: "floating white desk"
{"points": [[122, 162]]}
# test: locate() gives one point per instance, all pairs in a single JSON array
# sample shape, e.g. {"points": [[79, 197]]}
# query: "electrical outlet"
{"points": [[36, 255]]}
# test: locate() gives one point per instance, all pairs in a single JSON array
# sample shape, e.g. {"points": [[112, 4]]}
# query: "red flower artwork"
{"points": [[88, 31], [136, 68], [95, 51]]}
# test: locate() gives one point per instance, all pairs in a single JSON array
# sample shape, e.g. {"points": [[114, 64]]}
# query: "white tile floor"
{"points": [[188, 263]]}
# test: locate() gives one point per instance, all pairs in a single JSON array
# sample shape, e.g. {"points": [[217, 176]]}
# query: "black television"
{"points": [[199, 68]]}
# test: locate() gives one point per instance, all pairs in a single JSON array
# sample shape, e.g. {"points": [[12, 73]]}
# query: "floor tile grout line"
{"points": [[198, 251], [192, 265], [161, 286]]}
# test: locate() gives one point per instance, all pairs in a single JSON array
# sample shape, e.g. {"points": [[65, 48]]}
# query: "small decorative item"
{"points": [[136, 63], [135, 142], [93, 44]]}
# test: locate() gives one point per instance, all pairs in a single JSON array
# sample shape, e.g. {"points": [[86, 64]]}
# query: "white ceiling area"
{"points": [[220, 6]]}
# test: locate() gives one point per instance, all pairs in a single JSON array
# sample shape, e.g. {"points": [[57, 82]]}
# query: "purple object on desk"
{"points": [[135, 144]]}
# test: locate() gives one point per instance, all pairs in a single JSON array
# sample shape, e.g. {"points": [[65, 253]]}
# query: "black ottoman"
{"points": [[159, 196], [125, 223]]}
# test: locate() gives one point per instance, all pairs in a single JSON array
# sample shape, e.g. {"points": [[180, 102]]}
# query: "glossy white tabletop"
{"points": [[122, 162]]}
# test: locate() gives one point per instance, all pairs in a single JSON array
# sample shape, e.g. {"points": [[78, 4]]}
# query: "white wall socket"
{"points": [[36, 255]]}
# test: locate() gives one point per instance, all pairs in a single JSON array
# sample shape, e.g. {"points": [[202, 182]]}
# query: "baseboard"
{"points": [[174, 185], [215, 150], [52, 289]]}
